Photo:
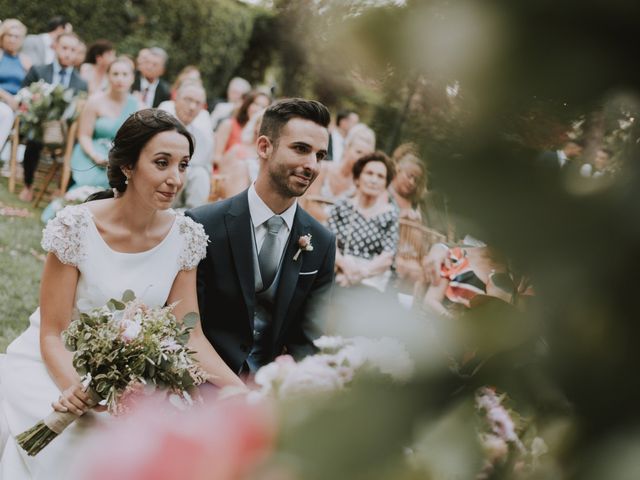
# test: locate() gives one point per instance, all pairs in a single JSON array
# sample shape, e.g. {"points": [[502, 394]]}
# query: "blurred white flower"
{"points": [[311, 375], [329, 343], [130, 331]]}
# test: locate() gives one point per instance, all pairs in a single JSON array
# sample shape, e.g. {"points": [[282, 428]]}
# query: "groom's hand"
{"points": [[74, 399]]}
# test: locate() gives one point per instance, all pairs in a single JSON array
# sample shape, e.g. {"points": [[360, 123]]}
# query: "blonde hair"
{"points": [[407, 154], [360, 132], [181, 78], [10, 23]]}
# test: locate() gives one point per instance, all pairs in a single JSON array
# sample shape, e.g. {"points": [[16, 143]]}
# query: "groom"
{"points": [[263, 288]]}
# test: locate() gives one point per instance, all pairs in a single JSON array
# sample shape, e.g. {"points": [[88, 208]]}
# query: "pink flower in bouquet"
{"points": [[224, 441]]}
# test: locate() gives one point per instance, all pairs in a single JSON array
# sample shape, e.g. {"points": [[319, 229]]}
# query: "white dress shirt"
{"points": [[260, 213], [562, 158], [337, 145], [56, 74], [49, 53], [147, 99]]}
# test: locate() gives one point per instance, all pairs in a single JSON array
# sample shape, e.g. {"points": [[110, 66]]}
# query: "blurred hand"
{"points": [[433, 261]]}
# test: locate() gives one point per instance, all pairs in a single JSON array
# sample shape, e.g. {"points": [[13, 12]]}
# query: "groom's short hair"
{"points": [[279, 113]]}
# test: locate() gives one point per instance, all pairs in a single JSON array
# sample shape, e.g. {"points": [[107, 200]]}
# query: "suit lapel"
{"points": [[290, 271], [48, 73], [238, 223]]}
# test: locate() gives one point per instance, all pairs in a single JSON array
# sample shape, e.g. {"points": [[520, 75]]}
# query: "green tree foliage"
{"points": [[212, 34]]}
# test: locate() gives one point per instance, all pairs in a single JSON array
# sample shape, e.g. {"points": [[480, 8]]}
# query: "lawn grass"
{"points": [[21, 262]]}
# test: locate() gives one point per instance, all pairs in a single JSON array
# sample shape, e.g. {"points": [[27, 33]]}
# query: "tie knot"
{"points": [[274, 224]]}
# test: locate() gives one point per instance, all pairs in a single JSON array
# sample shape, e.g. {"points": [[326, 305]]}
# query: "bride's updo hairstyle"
{"points": [[132, 136]]}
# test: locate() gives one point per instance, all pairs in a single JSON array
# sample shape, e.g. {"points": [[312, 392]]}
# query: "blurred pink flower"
{"points": [[222, 441]]}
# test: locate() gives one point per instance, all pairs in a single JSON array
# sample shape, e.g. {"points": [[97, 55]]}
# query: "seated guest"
{"points": [[41, 48], [406, 191], [466, 273], [152, 89], [81, 55], [240, 165], [409, 184], [99, 56], [345, 120], [335, 179], [366, 229], [230, 130], [60, 72], [236, 90], [601, 165], [562, 158], [188, 105], [102, 116], [190, 73], [13, 68]]}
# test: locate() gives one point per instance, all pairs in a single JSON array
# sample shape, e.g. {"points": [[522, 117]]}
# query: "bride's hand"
{"points": [[74, 399]]}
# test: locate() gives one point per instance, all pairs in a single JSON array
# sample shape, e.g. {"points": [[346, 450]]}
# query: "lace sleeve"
{"points": [[64, 234], [195, 243]]}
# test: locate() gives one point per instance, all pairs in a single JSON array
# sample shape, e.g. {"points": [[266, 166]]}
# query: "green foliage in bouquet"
{"points": [[41, 102], [119, 348], [126, 342]]}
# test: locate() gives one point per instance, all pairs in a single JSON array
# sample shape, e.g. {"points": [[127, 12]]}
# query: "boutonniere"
{"points": [[304, 244]]}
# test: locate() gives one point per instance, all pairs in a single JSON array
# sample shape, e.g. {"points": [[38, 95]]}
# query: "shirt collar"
{"points": [[57, 68], [260, 212], [144, 83], [562, 156]]}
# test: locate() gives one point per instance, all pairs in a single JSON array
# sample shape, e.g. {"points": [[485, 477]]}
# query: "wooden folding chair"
{"points": [[415, 239], [60, 166], [14, 138]]}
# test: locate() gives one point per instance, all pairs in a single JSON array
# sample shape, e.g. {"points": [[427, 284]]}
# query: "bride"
{"points": [[97, 250]]}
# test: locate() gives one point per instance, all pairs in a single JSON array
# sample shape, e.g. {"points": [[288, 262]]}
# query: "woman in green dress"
{"points": [[101, 118]]}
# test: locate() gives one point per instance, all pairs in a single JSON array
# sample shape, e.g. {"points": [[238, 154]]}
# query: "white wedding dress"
{"points": [[27, 389]]}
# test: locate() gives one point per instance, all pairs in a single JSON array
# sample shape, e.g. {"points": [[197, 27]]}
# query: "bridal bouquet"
{"points": [[120, 349], [42, 102]]}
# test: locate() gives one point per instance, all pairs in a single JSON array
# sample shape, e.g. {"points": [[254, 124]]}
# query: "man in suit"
{"points": [[561, 159], [152, 89], [62, 72], [344, 121], [40, 48], [261, 292]]}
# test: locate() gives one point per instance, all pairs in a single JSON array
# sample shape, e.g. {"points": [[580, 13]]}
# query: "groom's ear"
{"points": [[264, 147]]}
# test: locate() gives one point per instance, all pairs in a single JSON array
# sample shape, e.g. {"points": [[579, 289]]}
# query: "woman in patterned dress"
{"points": [[366, 228]]}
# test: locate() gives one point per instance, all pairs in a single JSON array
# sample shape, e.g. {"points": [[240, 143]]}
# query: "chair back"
{"points": [[415, 239], [318, 206]]}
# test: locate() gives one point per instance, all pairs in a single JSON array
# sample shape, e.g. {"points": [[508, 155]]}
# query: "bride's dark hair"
{"points": [[132, 136]]}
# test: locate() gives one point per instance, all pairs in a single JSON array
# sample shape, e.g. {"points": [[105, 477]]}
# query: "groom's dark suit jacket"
{"points": [[226, 288]]}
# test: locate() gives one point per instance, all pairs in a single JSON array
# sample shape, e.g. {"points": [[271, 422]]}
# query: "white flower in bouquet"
{"points": [[131, 330], [23, 95], [118, 350]]}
